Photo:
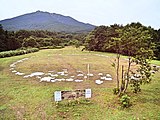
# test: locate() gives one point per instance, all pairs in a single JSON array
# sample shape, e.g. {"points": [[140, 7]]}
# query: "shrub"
{"points": [[125, 101], [135, 85], [52, 47], [115, 91], [17, 52]]}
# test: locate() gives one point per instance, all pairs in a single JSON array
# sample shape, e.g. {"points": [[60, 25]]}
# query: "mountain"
{"points": [[40, 20]]}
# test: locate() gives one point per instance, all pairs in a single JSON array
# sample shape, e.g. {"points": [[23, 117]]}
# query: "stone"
{"points": [[80, 75], [47, 79], [70, 79], [14, 71], [108, 75], [54, 75], [91, 75], [85, 77], [98, 82], [18, 73], [78, 80], [60, 73], [108, 78], [36, 74], [100, 74]]}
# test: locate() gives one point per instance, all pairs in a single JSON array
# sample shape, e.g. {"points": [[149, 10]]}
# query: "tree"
{"points": [[99, 38], [29, 42], [136, 42], [2, 39]]}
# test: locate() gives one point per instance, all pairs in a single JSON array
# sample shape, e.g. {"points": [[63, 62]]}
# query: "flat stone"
{"points": [[18, 73], [80, 75], [78, 80], [100, 74], [70, 79], [91, 75], [108, 78], [14, 71], [98, 82], [108, 75], [47, 79]]}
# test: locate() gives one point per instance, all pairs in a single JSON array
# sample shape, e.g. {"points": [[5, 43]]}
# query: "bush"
{"points": [[125, 101], [52, 47], [17, 52], [135, 85], [115, 91]]}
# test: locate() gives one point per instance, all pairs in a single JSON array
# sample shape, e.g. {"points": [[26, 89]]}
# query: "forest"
{"points": [[102, 38]]}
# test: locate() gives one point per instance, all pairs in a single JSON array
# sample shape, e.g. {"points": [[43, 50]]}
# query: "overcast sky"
{"points": [[96, 12]]}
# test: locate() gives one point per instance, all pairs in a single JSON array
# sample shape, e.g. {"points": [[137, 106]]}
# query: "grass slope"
{"points": [[29, 99]]}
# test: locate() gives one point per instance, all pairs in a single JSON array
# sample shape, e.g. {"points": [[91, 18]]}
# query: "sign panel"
{"points": [[88, 93], [57, 96], [70, 95]]}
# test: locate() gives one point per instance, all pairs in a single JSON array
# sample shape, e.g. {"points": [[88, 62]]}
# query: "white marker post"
{"points": [[57, 96], [88, 93]]}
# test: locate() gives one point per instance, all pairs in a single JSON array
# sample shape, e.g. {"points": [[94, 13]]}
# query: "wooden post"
{"points": [[88, 71]]}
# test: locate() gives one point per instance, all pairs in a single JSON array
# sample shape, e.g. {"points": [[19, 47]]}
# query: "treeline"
{"points": [[105, 38], [10, 40]]}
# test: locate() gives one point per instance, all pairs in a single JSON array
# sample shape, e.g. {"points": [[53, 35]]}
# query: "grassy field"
{"points": [[33, 100]]}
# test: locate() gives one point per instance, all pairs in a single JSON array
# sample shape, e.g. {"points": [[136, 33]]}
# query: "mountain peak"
{"points": [[41, 20]]}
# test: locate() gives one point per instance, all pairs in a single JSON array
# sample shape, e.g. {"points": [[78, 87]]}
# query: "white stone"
{"points": [[36, 74], [48, 79], [100, 74], [91, 75], [108, 78], [98, 82], [62, 79], [18, 73], [51, 71], [85, 77], [65, 70], [70, 79], [11, 69], [60, 73], [65, 74], [53, 80], [38, 77], [78, 80], [108, 75], [14, 71], [19, 61], [134, 78], [80, 75], [54, 75], [102, 78], [13, 65], [78, 71], [25, 59], [26, 76]]}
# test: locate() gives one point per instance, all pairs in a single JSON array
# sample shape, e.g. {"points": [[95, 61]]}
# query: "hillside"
{"points": [[40, 20]]}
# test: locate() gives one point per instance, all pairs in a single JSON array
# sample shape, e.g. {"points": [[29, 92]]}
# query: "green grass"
{"points": [[29, 99]]}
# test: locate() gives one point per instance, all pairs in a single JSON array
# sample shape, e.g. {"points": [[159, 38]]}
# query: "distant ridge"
{"points": [[40, 20]]}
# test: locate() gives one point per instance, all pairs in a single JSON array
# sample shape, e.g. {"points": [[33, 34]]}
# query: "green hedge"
{"points": [[17, 52], [52, 47]]}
